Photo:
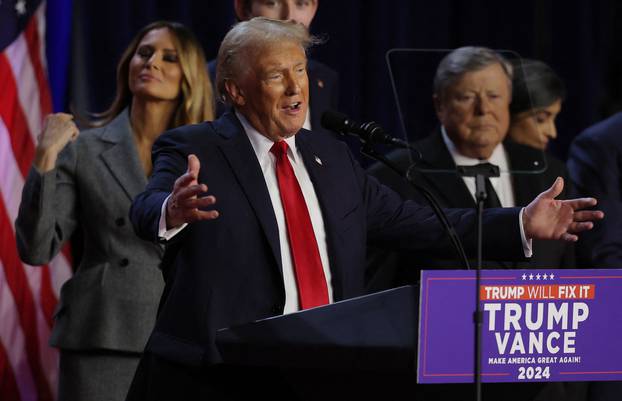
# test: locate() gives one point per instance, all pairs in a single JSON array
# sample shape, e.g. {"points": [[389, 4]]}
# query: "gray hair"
{"points": [[253, 35], [467, 59]]}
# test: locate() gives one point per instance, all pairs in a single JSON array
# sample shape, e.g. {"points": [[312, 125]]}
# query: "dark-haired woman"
{"points": [[537, 95], [86, 181]]}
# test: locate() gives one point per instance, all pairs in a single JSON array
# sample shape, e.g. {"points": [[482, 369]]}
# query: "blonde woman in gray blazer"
{"points": [[85, 182]]}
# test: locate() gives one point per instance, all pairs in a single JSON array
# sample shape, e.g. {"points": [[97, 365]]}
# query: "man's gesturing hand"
{"points": [[548, 218], [184, 203]]}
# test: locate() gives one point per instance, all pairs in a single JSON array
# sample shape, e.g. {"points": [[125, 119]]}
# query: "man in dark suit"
{"points": [[594, 165], [451, 191], [472, 93], [323, 80], [293, 216]]}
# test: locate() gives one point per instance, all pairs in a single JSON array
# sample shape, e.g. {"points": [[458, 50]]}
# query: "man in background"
{"points": [[323, 81], [594, 165], [472, 94]]}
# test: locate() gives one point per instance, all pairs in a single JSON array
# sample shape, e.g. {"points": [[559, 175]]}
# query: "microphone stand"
{"points": [[370, 133], [481, 172], [370, 152]]}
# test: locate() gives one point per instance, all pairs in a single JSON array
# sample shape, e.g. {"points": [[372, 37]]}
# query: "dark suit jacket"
{"points": [[227, 271], [323, 91], [451, 192], [595, 164]]}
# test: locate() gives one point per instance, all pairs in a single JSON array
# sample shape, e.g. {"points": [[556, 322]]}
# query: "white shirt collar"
{"points": [[262, 144], [498, 156]]}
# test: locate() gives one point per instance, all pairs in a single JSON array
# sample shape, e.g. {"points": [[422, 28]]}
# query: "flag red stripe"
{"points": [[66, 251], [12, 183], [14, 119], [34, 49], [48, 298], [18, 283], [8, 385], [33, 293]]}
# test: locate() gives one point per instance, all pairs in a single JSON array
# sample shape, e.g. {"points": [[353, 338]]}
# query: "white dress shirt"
{"points": [[501, 184], [267, 161], [307, 124]]}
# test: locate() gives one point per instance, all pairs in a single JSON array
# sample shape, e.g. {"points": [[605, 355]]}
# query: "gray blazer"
{"points": [[112, 299]]}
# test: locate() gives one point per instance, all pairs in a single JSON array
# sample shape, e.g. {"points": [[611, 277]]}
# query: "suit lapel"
{"points": [[320, 171], [241, 157], [437, 157], [524, 185], [323, 175], [121, 157]]}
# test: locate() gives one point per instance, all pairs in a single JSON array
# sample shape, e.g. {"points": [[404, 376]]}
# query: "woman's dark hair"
{"points": [[534, 85]]}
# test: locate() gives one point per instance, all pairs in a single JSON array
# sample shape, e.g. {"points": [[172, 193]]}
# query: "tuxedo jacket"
{"points": [[323, 91], [111, 301], [227, 271], [595, 164], [450, 190]]}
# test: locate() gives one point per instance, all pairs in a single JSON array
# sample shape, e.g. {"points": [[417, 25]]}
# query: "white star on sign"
{"points": [[20, 7], [544, 276], [551, 276], [531, 277], [524, 276], [538, 276]]}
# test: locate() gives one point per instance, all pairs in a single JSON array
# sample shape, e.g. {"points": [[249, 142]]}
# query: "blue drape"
{"points": [[579, 46]]}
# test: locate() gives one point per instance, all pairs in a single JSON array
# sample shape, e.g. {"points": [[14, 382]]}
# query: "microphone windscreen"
{"points": [[334, 121]]}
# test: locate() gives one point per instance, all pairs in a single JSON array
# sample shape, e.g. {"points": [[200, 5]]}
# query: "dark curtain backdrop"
{"points": [[579, 39]]}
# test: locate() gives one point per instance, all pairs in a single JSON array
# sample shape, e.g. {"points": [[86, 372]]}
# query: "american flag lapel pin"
{"points": [[318, 160], [320, 83]]}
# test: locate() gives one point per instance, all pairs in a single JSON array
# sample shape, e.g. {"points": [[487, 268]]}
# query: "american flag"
{"points": [[28, 294]]}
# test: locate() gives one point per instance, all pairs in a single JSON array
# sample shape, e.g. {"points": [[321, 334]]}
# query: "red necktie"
{"points": [[312, 289]]}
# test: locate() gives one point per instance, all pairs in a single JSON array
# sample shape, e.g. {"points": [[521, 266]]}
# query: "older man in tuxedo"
{"points": [[293, 214], [472, 94]]}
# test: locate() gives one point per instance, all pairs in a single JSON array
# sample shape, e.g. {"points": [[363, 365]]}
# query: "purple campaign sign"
{"points": [[538, 325]]}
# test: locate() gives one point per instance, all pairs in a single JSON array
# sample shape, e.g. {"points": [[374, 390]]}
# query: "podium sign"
{"points": [[538, 325]]}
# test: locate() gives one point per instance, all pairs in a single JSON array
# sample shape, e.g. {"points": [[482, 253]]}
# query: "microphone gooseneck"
{"points": [[369, 132]]}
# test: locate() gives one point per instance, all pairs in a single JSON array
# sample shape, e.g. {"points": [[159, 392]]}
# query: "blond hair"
{"points": [[254, 35], [196, 101]]}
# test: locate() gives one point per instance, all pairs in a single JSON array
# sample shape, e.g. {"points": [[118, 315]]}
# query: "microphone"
{"points": [[369, 132]]}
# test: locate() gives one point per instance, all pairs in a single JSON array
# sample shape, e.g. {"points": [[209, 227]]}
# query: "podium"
{"points": [[361, 348]]}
